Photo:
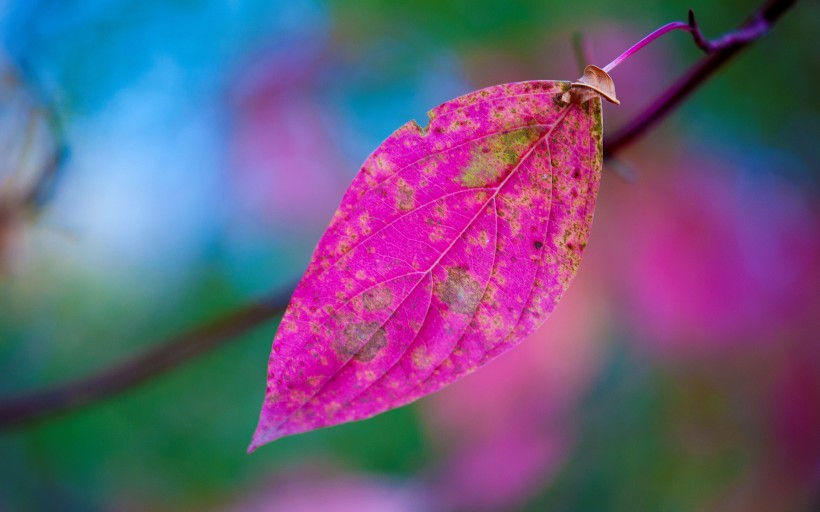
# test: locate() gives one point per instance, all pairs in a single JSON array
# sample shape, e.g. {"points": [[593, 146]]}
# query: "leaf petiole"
{"points": [[757, 27], [675, 25]]}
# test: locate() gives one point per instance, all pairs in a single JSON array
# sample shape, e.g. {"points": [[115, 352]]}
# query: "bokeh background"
{"points": [[206, 145]]}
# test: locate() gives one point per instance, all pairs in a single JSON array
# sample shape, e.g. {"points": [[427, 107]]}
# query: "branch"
{"points": [[720, 50], [163, 356], [25, 202], [171, 353]]}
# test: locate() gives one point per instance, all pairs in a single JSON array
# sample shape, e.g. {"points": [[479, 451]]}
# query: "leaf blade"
{"points": [[401, 296]]}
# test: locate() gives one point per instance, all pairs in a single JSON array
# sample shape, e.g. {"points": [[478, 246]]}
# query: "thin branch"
{"points": [[41, 188], [172, 353], [26, 202], [721, 50], [163, 356]]}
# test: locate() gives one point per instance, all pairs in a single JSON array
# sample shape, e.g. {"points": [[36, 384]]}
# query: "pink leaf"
{"points": [[452, 244]]}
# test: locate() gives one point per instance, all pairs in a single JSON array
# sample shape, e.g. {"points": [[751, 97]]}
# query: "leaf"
{"points": [[452, 244]]}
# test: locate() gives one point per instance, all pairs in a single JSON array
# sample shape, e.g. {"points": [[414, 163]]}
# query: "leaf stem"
{"points": [[171, 353], [669, 27]]}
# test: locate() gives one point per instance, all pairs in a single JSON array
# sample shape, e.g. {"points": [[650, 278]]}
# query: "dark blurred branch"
{"points": [[41, 190], [171, 353], [720, 50], [28, 201], [35, 196], [163, 356]]}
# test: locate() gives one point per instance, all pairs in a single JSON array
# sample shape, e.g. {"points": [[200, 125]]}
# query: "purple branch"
{"points": [[172, 353], [720, 51]]}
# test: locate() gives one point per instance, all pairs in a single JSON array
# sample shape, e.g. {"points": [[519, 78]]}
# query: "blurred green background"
{"points": [[209, 143]]}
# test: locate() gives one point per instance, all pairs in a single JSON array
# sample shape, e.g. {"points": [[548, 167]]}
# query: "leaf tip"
{"points": [[256, 442], [263, 435]]}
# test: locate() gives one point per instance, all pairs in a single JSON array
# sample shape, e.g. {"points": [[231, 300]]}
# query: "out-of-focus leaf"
{"points": [[288, 168], [715, 257], [519, 411], [453, 243], [320, 488]]}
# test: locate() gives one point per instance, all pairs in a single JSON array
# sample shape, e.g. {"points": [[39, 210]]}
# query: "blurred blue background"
{"points": [[208, 145]]}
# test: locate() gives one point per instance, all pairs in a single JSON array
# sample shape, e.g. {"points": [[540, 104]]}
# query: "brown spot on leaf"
{"points": [[405, 196], [364, 223], [377, 298], [460, 291], [483, 238], [422, 358], [372, 348], [361, 341]]}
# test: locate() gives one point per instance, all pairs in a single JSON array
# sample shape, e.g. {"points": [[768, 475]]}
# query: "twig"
{"points": [[26, 202], [35, 197], [162, 357], [171, 353], [720, 51]]}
